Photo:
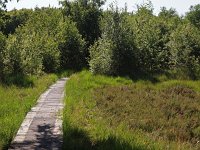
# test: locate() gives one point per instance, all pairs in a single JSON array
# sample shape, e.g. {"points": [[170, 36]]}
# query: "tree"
{"points": [[16, 18], [185, 50], [150, 40], [194, 15], [47, 42], [164, 13], [34, 47], [116, 48], [86, 14], [2, 13], [71, 46], [102, 59]]}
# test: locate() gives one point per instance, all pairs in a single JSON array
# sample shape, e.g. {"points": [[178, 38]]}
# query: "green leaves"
{"points": [[47, 42], [114, 42], [184, 47], [33, 48], [16, 18], [194, 15], [145, 43], [102, 57], [71, 46], [86, 14], [150, 39], [114, 53]]}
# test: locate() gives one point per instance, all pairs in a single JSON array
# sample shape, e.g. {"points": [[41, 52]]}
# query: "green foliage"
{"points": [[184, 45], [34, 48], [2, 20], [123, 38], [16, 18], [71, 46], [46, 43], [102, 59], [2, 13], [20, 56], [115, 30], [114, 42], [86, 14], [151, 37], [145, 43], [194, 15], [164, 13]]}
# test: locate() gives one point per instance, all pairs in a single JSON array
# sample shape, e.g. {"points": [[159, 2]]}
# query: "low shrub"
{"points": [[170, 114]]}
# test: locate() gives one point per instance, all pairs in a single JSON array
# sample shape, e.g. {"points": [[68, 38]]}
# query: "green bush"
{"points": [[101, 54], [150, 38], [116, 31], [45, 25], [16, 18], [194, 15], [118, 42], [22, 55], [46, 43], [34, 47], [184, 47]]}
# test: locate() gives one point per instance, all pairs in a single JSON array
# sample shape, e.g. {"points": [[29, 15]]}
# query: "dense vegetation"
{"points": [[112, 42], [151, 108]]}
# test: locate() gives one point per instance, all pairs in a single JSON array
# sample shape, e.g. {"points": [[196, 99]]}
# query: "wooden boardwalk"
{"points": [[42, 127]]}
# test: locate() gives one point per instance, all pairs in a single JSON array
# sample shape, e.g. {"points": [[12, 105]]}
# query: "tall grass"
{"points": [[119, 114], [17, 96]]}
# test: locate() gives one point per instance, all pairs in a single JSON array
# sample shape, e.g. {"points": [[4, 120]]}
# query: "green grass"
{"points": [[105, 113], [17, 96]]}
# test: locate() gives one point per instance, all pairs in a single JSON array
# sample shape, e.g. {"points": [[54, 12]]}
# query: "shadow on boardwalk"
{"points": [[45, 139]]}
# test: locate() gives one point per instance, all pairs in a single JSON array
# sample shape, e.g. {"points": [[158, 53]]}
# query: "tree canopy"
{"points": [[113, 42]]}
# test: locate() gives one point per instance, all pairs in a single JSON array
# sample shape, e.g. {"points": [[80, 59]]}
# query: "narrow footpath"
{"points": [[42, 127]]}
